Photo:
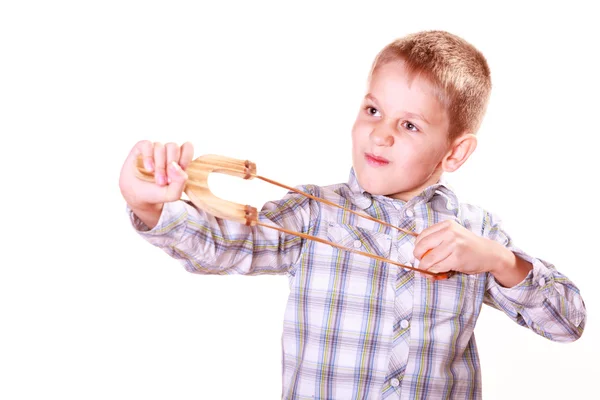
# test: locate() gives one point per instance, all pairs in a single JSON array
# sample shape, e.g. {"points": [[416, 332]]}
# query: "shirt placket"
{"points": [[402, 251]]}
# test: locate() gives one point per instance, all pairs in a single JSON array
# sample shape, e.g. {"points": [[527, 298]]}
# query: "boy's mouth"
{"points": [[375, 160]]}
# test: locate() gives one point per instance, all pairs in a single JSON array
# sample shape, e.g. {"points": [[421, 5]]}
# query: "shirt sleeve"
{"points": [[546, 301], [208, 245]]}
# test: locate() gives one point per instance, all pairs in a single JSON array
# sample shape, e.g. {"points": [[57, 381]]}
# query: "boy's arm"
{"points": [[546, 301], [205, 244]]}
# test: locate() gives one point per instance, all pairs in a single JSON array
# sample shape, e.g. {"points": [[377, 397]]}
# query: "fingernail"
{"points": [[161, 179], [148, 165]]}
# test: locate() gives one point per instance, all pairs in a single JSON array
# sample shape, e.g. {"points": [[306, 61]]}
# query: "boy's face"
{"points": [[400, 135]]}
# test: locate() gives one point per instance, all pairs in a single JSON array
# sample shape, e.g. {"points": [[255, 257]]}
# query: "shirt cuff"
{"points": [[169, 228], [534, 288]]}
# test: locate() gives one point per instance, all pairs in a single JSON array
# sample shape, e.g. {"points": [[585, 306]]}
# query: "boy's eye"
{"points": [[372, 111], [408, 125]]}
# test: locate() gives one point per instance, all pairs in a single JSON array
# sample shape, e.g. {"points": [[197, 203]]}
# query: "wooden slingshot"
{"points": [[200, 195]]}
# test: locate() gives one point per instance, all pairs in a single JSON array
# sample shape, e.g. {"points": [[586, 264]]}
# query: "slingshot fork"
{"points": [[196, 187]]}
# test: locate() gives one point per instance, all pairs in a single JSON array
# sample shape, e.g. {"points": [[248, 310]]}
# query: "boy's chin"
{"points": [[378, 188]]}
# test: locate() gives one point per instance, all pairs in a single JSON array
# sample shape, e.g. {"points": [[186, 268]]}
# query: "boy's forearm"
{"points": [[549, 303], [511, 269], [148, 214]]}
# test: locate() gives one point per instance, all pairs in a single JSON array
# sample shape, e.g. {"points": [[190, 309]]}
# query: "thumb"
{"points": [[177, 179]]}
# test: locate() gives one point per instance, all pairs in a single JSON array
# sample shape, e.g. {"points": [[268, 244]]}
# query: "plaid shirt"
{"points": [[357, 328]]}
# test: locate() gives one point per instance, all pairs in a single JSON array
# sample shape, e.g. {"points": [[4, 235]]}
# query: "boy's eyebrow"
{"points": [[369, 96]]}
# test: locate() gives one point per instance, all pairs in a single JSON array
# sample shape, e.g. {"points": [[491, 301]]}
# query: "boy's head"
{"points": [[427, 95]]}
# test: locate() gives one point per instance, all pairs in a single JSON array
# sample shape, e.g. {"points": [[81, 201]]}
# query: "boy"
{"points": [[356, 328]]}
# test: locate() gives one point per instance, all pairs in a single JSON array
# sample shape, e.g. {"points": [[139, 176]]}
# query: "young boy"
{"points": [[357, 328]]}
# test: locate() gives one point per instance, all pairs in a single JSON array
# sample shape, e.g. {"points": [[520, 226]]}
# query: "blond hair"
{"points": [[458, 72]]}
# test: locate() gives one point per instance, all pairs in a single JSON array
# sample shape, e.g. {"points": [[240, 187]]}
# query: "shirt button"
{"points": [[410, 213], [357, 244], [542, 282], [404, 324], [395, 382]]}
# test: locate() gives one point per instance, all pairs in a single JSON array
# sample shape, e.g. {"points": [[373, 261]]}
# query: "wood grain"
{"points": [[196, 187]]}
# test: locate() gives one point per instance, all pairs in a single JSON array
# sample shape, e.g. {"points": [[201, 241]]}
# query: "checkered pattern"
{"points": [[357, 328]]}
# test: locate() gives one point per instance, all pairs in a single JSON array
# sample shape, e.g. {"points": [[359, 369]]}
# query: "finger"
{"points": [[426, 276], [447, 264], [178, 179], [145, 149], [172, 152], [440, 276], [435, 256], [432, 229], [427, 243], [160, 164], [429, 277], [187, 154]]}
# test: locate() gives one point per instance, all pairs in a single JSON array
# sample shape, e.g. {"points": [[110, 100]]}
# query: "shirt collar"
{"points": [[363, 199], [358, 196]]}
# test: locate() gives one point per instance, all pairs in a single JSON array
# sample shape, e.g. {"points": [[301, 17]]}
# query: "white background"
{"points": [[88, 310]]}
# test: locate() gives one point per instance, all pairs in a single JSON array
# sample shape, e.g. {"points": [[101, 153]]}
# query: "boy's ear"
{"points": [[460, 150]]}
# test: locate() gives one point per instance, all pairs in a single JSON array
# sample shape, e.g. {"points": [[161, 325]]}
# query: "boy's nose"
{"points": [[382, 137]]}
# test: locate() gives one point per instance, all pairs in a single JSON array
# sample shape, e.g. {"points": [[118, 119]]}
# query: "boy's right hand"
{"points": [[168, 163]]}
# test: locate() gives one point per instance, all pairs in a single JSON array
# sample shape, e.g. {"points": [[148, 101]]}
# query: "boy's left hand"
{"points": [[448, 246]]}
